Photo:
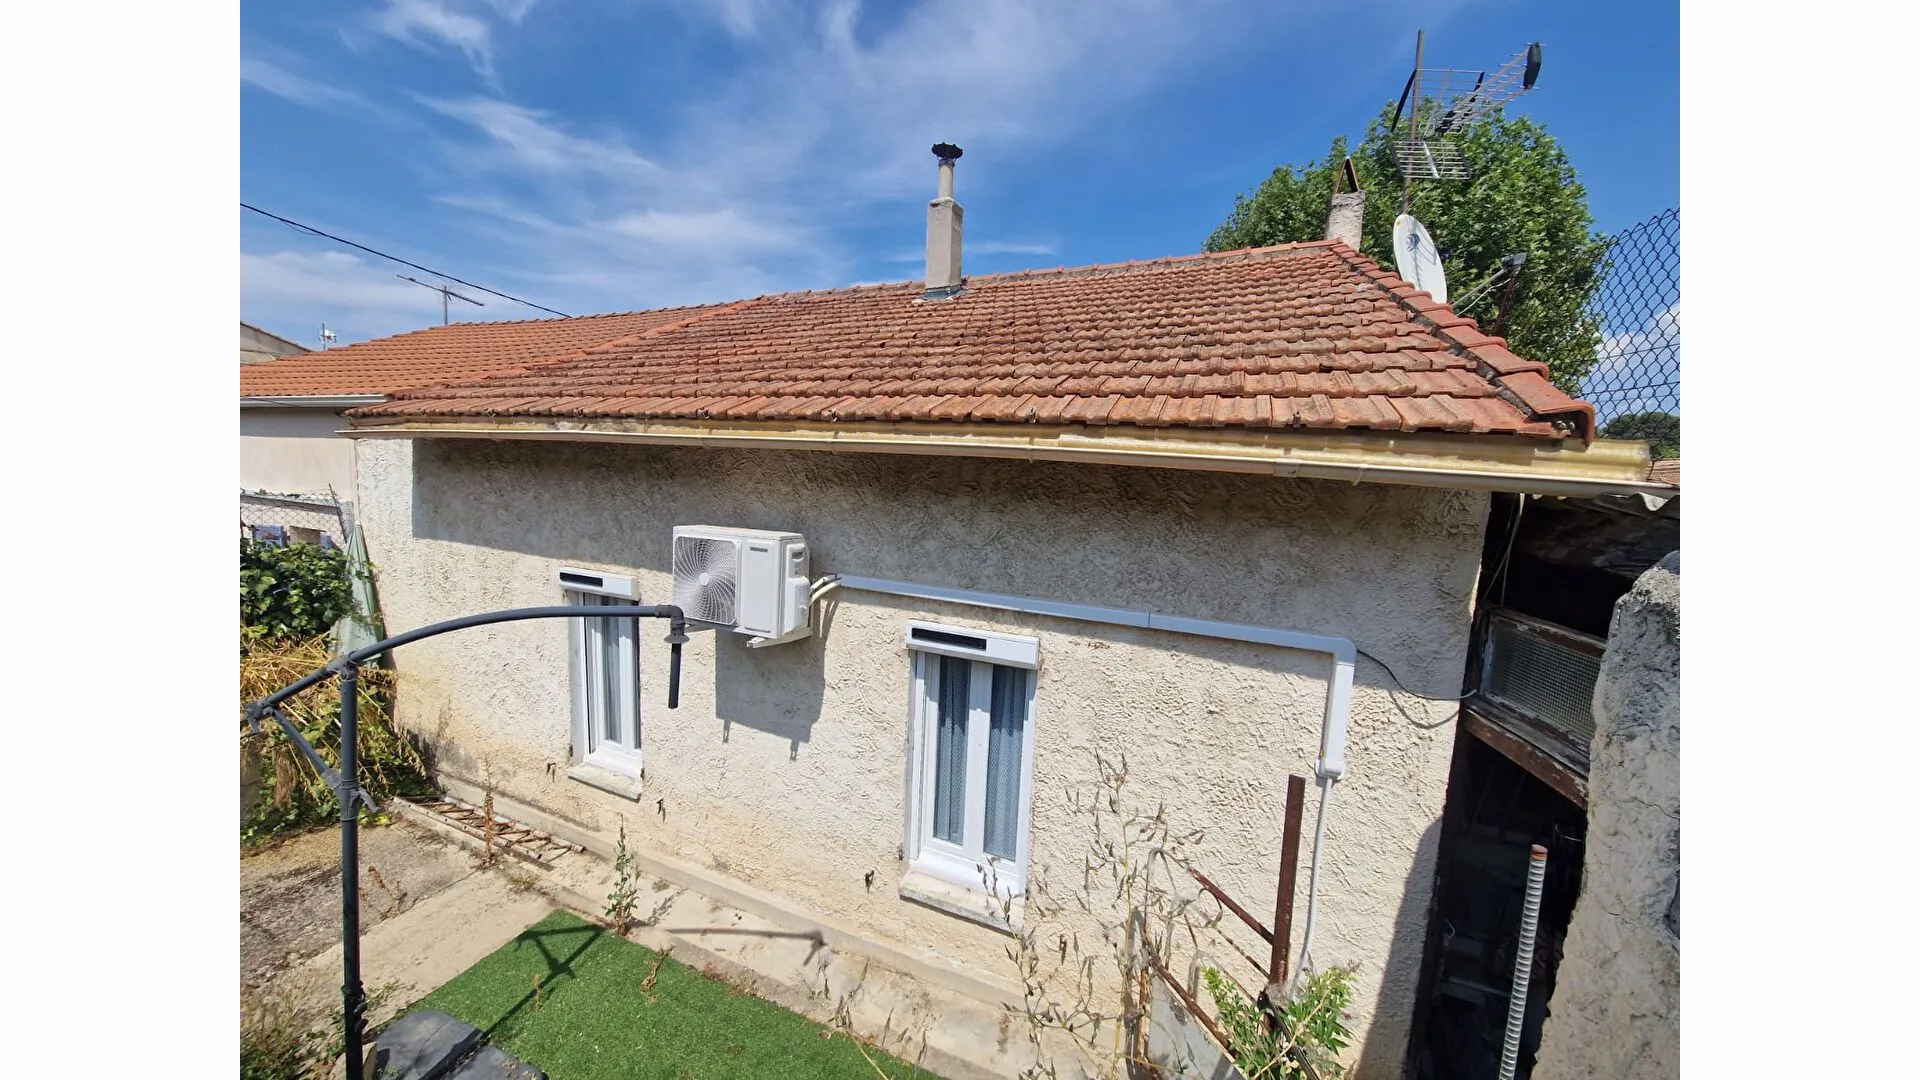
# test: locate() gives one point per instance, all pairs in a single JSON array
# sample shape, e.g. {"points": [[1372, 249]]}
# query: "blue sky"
{"points": [[616, 156]]}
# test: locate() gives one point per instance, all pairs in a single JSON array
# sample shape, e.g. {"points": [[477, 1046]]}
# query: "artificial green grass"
{"points": [[591, 1019]]}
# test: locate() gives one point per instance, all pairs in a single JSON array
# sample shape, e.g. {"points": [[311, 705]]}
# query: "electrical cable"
{"points": [[1403, 686], [402, 262]]}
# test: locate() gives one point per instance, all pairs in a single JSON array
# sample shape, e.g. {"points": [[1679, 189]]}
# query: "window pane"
{"points": [[1004, 744], [950, 751], [590, 688], [609, 661]]}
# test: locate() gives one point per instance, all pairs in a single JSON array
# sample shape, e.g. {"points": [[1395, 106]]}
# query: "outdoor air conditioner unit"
{"points": [[750, 581]]}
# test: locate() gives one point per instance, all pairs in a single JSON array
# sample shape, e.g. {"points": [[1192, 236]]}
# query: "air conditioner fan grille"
{"points": [[705, 570]]}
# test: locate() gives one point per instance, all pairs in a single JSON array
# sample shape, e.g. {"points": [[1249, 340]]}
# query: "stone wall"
{"points": [[1615, 1011]]}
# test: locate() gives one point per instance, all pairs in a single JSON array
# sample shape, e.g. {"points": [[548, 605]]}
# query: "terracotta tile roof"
{"points": [[1303, 335], [458, 352], [1666, 471]]}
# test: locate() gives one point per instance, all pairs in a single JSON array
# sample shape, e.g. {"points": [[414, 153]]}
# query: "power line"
{"points": [[403, 262]]}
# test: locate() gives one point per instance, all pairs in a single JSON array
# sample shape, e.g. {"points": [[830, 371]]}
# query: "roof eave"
{"points": [[310, 401], [1478, 462]]}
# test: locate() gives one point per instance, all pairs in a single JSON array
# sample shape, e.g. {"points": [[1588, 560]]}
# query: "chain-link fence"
{"points": [[293, 519], [1639, 307]]}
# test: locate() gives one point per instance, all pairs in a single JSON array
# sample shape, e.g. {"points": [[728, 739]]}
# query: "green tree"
{"points": [[1661, 430], [1523, 196]]}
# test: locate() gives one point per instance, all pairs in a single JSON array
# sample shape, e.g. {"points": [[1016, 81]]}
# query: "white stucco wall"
{"points": [[784, 768], [295, 451]]}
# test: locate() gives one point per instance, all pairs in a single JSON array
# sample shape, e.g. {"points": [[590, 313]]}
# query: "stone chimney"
{"points": [[943, 231], [1349, 203]]}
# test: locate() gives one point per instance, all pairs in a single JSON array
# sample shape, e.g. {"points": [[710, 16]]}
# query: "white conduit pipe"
{"points": [[1523, 962], [1313, 880], [1333, 721]]}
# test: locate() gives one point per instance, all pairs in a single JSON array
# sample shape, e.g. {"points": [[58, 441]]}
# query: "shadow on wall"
{"points": [[777, 690], [1384, 1054], [616, 505], [1098, 533]]}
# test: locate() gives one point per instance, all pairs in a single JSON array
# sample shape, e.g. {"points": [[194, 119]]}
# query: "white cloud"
{"points": [[292, 292], [744, 184], [828, 123], [522, 140], [429, 24], [296, 88], [741, 18], [1633, 364]]}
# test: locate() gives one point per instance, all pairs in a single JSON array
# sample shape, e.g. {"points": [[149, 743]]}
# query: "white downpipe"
{"points": [[1333, 722]]}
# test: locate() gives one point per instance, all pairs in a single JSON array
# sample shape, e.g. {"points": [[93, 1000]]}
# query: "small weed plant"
{"points": [[1302, 1041], [626, 888], [282, 1039]]}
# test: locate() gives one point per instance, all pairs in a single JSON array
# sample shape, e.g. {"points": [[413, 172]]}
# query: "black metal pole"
{"points": [[353, 995]]}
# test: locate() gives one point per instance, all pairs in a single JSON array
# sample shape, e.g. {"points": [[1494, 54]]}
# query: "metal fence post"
{"points": [[353, 995], [1289, 868]]}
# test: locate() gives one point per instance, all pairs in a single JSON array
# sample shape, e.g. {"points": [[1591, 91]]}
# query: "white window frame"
{"points": [[965, 864], [622, 686]]}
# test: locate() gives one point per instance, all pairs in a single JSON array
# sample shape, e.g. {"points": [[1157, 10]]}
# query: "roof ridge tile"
{"points": [[1534, 393]]}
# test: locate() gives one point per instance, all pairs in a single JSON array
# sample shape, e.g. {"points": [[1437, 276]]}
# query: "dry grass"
{"points": [[388, 762]]}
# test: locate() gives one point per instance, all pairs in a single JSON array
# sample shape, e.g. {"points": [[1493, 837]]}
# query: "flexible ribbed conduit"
{"points": [[1523, 962]]}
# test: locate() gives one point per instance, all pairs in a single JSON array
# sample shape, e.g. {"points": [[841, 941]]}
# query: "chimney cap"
{"points": [[946, 152]]}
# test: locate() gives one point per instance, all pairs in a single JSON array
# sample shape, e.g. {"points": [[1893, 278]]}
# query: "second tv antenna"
{"points": [[444, 294]]}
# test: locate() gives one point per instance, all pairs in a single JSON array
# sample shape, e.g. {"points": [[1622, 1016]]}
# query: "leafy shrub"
{"points": [[1308, 1036], [292, 592]]}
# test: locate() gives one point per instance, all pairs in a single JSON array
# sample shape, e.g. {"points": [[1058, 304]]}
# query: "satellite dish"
{"points": [[1415, 257]]}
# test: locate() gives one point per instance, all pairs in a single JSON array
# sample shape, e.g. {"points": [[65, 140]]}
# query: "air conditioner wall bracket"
{"points": [[796, 635]]}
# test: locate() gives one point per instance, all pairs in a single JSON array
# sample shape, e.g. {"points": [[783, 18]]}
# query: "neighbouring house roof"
{"points": [[1310, 335], [258, 346], [442, 354], [1666, 471]]}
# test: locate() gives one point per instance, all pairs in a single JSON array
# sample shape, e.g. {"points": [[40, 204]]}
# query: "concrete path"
{"points": [[437, 938], [290, 892]]}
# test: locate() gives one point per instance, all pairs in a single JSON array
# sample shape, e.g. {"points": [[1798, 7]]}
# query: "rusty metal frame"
{"points": [[1522, 743]]}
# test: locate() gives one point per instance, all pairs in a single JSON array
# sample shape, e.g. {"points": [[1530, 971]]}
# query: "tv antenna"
{"points": [[1504, 285], [327, 338], [444, 294], [1439, 103]]}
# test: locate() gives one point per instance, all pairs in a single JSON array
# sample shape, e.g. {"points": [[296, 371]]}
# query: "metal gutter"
{"points": [[315, 401], [1424, 459]]}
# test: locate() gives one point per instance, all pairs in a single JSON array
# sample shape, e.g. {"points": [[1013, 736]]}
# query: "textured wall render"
{"points": [[1615, 1012], [785, 767], [295, 451]]}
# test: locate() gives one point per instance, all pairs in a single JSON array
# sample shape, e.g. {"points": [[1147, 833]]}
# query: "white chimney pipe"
{"points": [[944, 219]]}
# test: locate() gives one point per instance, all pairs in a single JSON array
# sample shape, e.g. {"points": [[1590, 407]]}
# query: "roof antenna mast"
{"points": [[444, 294], [1440, 103]]}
